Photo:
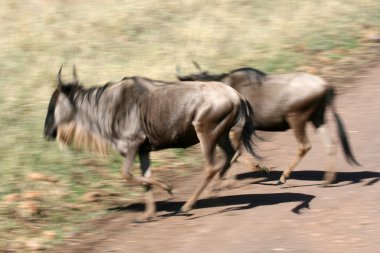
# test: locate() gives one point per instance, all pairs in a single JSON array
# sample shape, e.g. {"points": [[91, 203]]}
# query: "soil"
{"points": [[254, 214]]}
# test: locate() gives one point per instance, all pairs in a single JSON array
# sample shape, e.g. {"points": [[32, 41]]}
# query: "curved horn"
{"points": [[178, 74], [60, 83], [75, 76], [177, 70], [197, 65]]}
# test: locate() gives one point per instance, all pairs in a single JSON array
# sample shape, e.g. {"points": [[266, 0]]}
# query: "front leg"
{"points": [[150, 208]]}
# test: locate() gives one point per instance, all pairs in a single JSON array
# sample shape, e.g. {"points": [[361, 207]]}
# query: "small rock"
{"points": [[339, 51], [91, 196], [309, 69], [13, 197], [99, 185], [372, 37], [34, 244], [37, 176], [301, 68], [312, 70], [15, 245], [28, 209], [113, 194], [72, 206], [327, 69], [32, 195], [58, 192], [324, 59], [49, 235]]}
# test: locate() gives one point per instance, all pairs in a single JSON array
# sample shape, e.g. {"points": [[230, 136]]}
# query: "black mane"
{"points": [[152, 81], [258, 75], [249, 69], [205, 76]]}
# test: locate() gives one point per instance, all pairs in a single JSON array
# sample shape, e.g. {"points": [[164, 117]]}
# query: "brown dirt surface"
{"points": [[254, 214]]}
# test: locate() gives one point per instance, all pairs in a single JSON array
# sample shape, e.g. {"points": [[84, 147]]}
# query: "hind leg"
{"points": [[230, 152], [230, 156], [330, 148], [318, 120], [236, 140], [304, 146], [208, 143]]}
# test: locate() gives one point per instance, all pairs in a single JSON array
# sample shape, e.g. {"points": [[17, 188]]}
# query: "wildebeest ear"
{"points": [[60, 83], [75, 75]]}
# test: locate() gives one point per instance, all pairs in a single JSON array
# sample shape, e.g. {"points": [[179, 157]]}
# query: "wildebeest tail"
{"points": [[248, 128], [341, 130]]}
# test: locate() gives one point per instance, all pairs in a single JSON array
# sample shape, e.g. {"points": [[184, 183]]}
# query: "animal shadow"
{"points": [[315, 175], [233, 202]]}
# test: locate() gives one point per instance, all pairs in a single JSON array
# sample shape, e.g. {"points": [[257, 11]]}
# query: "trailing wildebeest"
{"points": [[138, 115], [284, 101]]}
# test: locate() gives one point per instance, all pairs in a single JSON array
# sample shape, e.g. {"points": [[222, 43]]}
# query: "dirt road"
{"points": [[257, 216]]}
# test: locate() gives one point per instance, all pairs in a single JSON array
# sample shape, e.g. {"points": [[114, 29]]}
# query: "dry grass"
{"points": [[108, 41]]}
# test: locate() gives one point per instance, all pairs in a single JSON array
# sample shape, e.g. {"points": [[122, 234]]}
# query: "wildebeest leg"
{"points": [[150, 207], [318, 120], [128, 164], [230, 154], [235, 135], [208, 147], [147, 174], [298, 126], [330, 147], [231, 145], [146, 181], [143, 180]]}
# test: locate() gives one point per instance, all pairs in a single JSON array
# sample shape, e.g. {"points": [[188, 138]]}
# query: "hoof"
{"points": [[280, 183], [144, 218], [170, 191], [168, 188], [140, 220], [326, 184], [216, 189], [185, 209], [180, 212], [265, 170], [329, 178]]}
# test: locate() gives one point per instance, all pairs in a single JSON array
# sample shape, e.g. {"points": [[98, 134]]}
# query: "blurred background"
{"points": [[46, 192]]}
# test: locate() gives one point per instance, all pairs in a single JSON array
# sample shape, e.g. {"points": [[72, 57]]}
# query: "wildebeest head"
{"points": [[203, 75], [234, 78], [60, 110]]}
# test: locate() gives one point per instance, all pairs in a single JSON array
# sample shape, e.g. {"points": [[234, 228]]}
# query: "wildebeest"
{"points": [[284, 101], [138, 115]]}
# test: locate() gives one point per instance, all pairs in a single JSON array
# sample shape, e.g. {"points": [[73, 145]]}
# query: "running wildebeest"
{"points": [[284, 101], [138, 115]]}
